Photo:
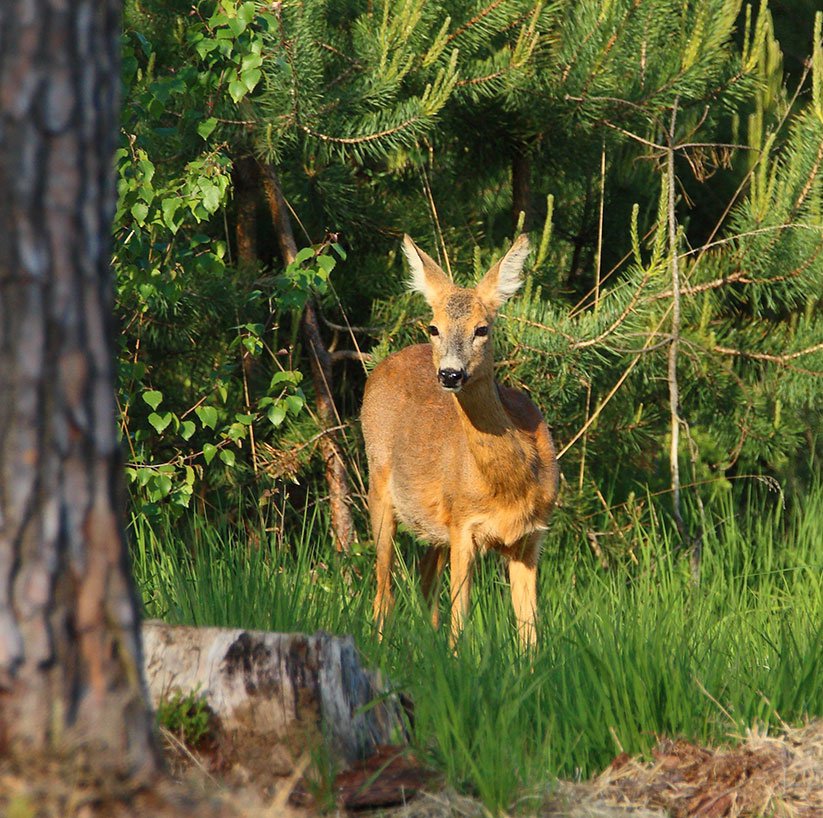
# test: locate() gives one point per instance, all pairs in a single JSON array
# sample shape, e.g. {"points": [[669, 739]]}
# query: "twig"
{"points": [[349, 355], [620, 380], [435, 218], [674, 391], [600, 226]]}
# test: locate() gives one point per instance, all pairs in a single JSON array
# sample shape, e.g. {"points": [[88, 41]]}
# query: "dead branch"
{"points": [[322, 378]]}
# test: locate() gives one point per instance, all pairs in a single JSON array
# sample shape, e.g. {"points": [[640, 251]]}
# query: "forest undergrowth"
{"points": [[644, 648]]}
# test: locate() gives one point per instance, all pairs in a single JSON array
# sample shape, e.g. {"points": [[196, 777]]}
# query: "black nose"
{"points": [[452, 378]]}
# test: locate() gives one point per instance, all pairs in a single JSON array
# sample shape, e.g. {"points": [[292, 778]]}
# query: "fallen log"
{"points": [[276, 694]]}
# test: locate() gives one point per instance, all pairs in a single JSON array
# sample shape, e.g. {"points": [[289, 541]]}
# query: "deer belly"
{"points": [[420, 511]]}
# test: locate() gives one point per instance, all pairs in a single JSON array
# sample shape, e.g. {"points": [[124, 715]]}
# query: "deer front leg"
{"points": [[432, 564], [384, 527], [523, 559], [461, 559]]}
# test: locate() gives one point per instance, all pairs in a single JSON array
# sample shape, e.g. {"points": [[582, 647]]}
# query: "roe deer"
{"points": [[464, 462]]}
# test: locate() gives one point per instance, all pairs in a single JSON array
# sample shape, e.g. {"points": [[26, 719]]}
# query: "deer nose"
{"points": [[452, 378]]}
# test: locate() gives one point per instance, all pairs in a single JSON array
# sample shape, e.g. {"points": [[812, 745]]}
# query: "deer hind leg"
{"points": [[432, 564], [384, 526], [461, 560], [523, 559]]}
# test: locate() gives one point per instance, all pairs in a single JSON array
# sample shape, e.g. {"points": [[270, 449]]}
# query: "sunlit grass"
{"points": [[624, 655]]}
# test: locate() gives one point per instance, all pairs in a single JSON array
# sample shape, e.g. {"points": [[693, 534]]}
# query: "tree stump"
{"points": [[276, 695]]}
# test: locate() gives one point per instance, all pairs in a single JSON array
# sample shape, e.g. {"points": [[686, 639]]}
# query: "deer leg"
{"points": [[432, 564], [523, 559], [384, 527], [461, 559]]}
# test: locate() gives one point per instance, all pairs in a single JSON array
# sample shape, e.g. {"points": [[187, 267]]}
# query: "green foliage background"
{"points": [[630, 140], [444, 120]]}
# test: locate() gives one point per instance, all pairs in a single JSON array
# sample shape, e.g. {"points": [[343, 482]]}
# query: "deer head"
{"points": [[462, 318]]}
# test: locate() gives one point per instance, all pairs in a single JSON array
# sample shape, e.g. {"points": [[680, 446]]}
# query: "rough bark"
{"points": [[245, 177], [287, 692], [322, 378], [70, 646]]}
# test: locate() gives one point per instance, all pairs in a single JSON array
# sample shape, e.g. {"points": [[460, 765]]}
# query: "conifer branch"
{"points": [[474, 20], [773, 357], [618, 321], [602, 405], [361, 140]]}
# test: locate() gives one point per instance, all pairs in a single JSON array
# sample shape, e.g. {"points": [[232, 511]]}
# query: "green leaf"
{"points": [[140, 210], [277, 414], [206, 127], [182, 496], [227, 456], [207, 415], [303, 255], [211, 196], [205, 46], [187, 429], [251, 78], [294, 403], [170, 207], [326, 264], [253, 345], [162, 486], [160, 422], [237, 90], [153, 397], [250, 61], [246, 420], [237, 431], [209, 451], [236, 25], [245, 13], [285, 376]]}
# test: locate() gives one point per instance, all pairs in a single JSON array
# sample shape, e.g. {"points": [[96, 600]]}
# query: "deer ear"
{"points": [[427, 277], [504, 278]]}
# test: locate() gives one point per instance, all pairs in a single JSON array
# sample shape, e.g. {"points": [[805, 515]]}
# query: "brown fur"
{"points": [[470, 470]]}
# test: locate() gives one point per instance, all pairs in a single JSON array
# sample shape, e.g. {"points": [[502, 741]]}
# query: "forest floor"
{"points": [[759, 776], [756, 777]]}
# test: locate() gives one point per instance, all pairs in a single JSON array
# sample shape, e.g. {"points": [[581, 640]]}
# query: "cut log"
{"points": [[281, 694]]}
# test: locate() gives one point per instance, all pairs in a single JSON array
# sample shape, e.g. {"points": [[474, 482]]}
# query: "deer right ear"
{"points": [[426, 276]]}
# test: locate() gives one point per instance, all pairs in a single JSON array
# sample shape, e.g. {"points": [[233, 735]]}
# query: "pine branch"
{"points": [[773, 357]]}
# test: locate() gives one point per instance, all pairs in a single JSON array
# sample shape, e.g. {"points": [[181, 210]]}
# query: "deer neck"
{"points": [[493, 439]]}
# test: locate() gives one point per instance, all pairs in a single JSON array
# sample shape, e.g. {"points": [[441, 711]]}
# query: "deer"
{"points": [[464, 462]]}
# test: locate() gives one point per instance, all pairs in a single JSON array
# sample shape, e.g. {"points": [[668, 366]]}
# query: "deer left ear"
{"points": [[504, 278]]}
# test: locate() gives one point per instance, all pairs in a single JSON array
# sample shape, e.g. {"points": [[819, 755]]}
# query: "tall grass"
{"points": [[624, 655]]}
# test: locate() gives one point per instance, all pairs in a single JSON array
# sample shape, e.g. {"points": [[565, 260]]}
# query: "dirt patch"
{"points": [[777, 776], [764, 775]]}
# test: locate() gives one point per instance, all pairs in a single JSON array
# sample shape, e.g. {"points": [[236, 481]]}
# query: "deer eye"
{"points": [[433, 330], [481, 332]]}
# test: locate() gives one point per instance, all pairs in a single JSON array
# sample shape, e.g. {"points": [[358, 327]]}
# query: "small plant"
{"points": [[186, 715]]}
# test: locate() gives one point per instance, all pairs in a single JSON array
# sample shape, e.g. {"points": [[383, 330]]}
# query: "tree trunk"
{"points": [[245, 176], [70, 645], [337, 479], [521, 187]]}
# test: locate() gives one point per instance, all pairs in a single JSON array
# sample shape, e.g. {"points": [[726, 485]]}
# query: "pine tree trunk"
{"points": [[245, 177], [521, 187], [70, 649]]}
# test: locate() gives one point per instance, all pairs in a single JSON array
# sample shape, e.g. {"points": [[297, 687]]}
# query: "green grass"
{"points": [[625, 655]]}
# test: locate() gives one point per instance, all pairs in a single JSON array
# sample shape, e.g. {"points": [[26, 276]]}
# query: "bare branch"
{"points": [[674, 390]]}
